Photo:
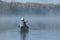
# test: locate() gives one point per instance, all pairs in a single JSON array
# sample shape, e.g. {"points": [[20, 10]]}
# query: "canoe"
{"points": [[22, 29]]}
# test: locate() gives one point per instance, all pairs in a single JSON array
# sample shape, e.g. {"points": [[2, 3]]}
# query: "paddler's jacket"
{"points": [[22, 23]]}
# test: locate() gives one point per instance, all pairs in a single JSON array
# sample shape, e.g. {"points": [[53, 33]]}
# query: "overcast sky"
{"points": [[37, 1]]}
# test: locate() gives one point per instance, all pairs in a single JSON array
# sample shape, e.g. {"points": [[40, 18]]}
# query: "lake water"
{"points": [[32, 35], [43, 28]]}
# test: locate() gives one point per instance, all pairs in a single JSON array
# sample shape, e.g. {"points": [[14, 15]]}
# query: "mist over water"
{"points": [[43, 25], [40, 27], [43, 21], [34, 22]]}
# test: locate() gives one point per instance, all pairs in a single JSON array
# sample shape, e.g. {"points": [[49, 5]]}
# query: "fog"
{"points": [[34, 22]]}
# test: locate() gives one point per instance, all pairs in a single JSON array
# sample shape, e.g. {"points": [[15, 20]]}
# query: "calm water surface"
{"points": [[42, 28], [32, 35]]}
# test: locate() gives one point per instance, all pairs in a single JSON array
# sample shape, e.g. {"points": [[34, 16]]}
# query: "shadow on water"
{"points": [[23, 32]]}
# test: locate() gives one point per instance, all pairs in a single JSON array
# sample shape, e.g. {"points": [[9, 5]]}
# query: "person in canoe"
{"points": [[23, 28], [22, 25]]}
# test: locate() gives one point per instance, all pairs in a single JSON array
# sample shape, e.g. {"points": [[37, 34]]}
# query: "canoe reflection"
{"points": [[23, 32]]}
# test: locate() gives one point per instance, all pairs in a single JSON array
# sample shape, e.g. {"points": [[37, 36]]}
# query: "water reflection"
{"points": [[24, 32]]}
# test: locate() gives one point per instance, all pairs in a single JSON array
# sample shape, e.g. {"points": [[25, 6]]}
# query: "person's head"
{"points": [[22, 18]]}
